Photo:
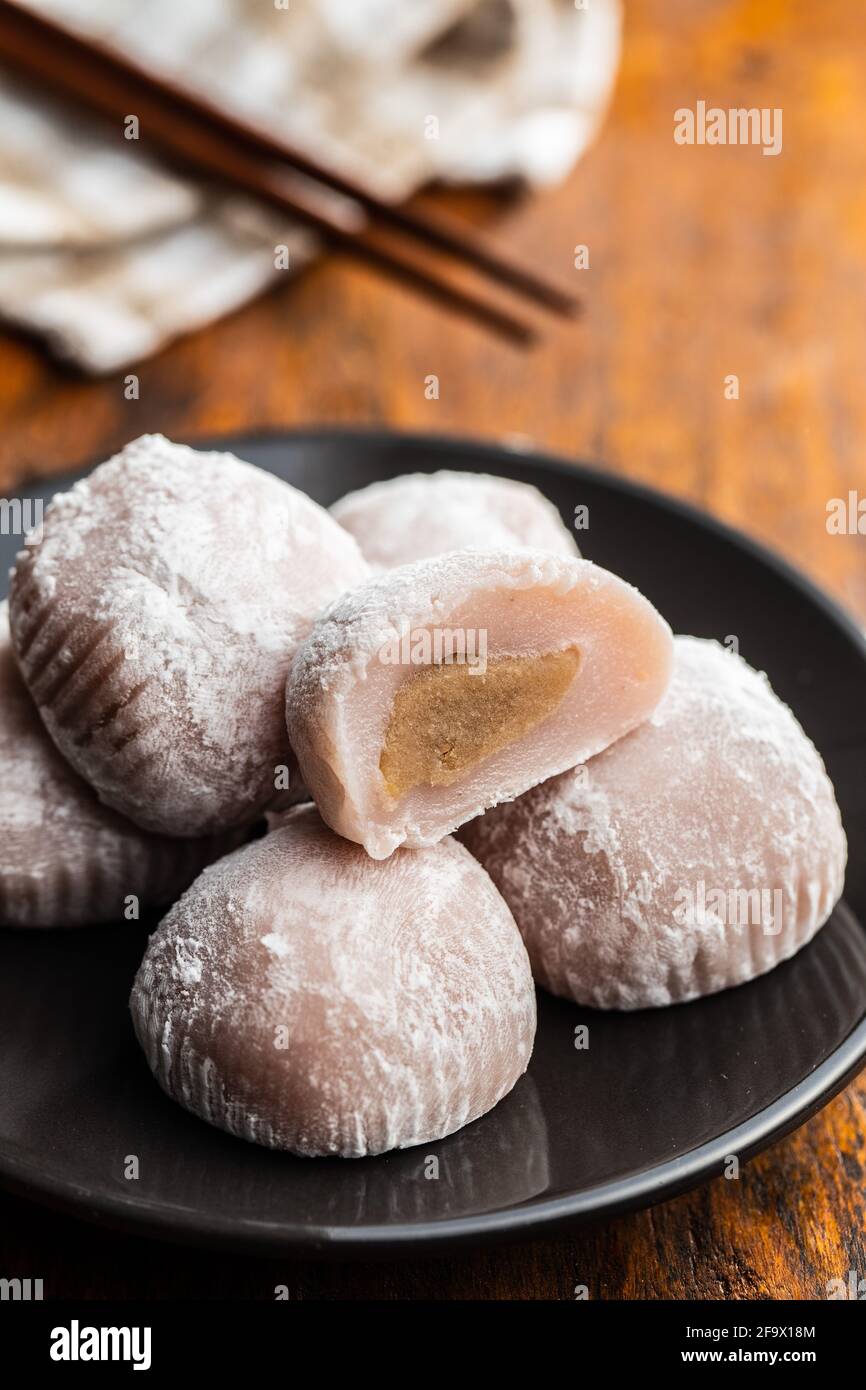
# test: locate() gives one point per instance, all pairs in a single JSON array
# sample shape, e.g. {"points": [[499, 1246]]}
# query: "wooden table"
{"points": [[704, 262]]}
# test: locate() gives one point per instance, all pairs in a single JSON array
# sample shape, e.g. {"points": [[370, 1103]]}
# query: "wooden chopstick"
{"points": [[432, 228], [210, 141]]}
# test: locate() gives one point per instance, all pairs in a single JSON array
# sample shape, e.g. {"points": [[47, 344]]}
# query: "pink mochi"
{"points": [[303, 996], [399, 745], [422, 514], [694, 854], [65, 859], [155, 623]]}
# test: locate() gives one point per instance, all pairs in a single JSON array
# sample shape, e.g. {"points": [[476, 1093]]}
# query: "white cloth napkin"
{"points": [[109, 255]]}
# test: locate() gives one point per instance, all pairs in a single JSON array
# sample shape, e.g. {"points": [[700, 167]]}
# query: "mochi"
{"points": [[423, 514], [154, 626], [65, 859], [694, 854], [305, 997], [437, 689]]}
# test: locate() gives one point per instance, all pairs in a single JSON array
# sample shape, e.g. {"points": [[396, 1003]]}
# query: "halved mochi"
{"points": [[154, 626], [305, 997], [440, 688], [694, 854], [65, 859], [422, 514]]}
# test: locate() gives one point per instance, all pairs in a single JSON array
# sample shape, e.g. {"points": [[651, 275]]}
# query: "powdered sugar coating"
{"points": [[155, 623], [423, 514], [305, 997], [628, 877], [66, 860], [528, 602]]}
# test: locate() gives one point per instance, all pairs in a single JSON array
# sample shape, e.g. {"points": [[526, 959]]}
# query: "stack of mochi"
{"points": [[214, 693]]}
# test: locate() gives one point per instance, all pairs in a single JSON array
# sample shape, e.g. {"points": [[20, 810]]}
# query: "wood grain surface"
{"points": [[704, 262]]}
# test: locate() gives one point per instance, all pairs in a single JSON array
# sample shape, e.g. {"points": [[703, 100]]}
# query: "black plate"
{"points": [[655, 1105]]}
